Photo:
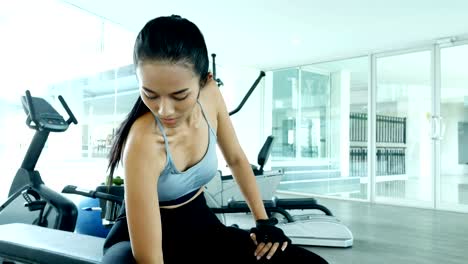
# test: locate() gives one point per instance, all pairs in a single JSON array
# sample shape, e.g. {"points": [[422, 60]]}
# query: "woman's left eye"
{"points": [[181, 97], [151, 97]]}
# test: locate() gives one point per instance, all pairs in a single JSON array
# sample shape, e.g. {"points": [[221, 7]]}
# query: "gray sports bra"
{"points": [[174, 186]]}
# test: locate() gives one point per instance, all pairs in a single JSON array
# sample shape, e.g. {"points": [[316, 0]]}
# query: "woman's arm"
{"points": [[142, 167], [237, 160]]}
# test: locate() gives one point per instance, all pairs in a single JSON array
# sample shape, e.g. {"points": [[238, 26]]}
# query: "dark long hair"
{"points": [[171, 39]]}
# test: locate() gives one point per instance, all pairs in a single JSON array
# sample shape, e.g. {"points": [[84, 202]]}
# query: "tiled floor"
{"points": [[391, 234]]}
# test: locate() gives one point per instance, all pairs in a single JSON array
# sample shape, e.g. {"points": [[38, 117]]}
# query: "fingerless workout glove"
{"points": [[266, 231]]}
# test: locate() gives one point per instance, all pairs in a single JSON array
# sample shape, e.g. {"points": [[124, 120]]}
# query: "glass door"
{"points": [[453, 129]]}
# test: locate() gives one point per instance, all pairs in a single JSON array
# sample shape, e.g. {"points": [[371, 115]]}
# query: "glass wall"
{"points": [[319, 121], [285, 111], [52, 48], [453, 128], [421, 123], [403, 128], [108, 97]]}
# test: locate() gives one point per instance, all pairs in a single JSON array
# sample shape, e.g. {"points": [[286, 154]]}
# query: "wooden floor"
{"points": [[392, 235]]}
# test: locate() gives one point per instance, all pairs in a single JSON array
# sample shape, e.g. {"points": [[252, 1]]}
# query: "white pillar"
{"points": [[339, 123]]}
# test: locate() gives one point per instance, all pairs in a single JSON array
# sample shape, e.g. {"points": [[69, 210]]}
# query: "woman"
{"points": [[167, 145]]}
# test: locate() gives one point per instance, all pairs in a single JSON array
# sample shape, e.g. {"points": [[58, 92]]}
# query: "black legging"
{"points": [[193, 234]]}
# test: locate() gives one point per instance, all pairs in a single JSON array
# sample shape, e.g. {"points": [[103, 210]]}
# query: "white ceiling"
{"points": [[268, 34]]}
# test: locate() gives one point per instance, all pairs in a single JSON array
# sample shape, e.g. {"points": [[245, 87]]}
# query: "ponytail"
{"points": [[115, 154]]}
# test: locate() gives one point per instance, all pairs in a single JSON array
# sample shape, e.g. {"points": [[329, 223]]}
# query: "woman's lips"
{"points": [[169, 121]]}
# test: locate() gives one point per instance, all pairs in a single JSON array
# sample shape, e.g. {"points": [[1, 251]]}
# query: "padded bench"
{"points": [[34, 244]]}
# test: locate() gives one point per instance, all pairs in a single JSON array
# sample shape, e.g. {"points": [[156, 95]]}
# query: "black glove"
{"points": [[266, 231]]}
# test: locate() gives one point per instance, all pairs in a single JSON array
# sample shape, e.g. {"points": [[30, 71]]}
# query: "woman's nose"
{"points": [[166, 107]]}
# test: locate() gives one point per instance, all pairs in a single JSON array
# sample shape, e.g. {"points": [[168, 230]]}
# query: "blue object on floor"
{"points": [[89, 220]]}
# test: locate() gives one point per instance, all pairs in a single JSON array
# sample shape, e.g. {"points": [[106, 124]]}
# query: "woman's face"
{"points": [[169, 90]]}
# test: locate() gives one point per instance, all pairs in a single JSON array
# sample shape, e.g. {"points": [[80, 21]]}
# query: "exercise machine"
{"points": [[312, 229], [36, 223], [29, 200]]}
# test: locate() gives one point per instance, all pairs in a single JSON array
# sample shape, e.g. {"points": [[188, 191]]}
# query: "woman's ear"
{"points": [[208, 77]]}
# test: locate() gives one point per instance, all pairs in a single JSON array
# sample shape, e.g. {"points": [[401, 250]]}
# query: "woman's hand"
{"points": [[268, 238]]}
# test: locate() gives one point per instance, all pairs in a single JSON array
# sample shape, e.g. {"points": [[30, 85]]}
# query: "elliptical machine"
{"points": [[29, 200]]}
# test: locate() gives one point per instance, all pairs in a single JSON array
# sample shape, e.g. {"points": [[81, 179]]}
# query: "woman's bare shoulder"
{"points": [[143, 139], [209, 98]]}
